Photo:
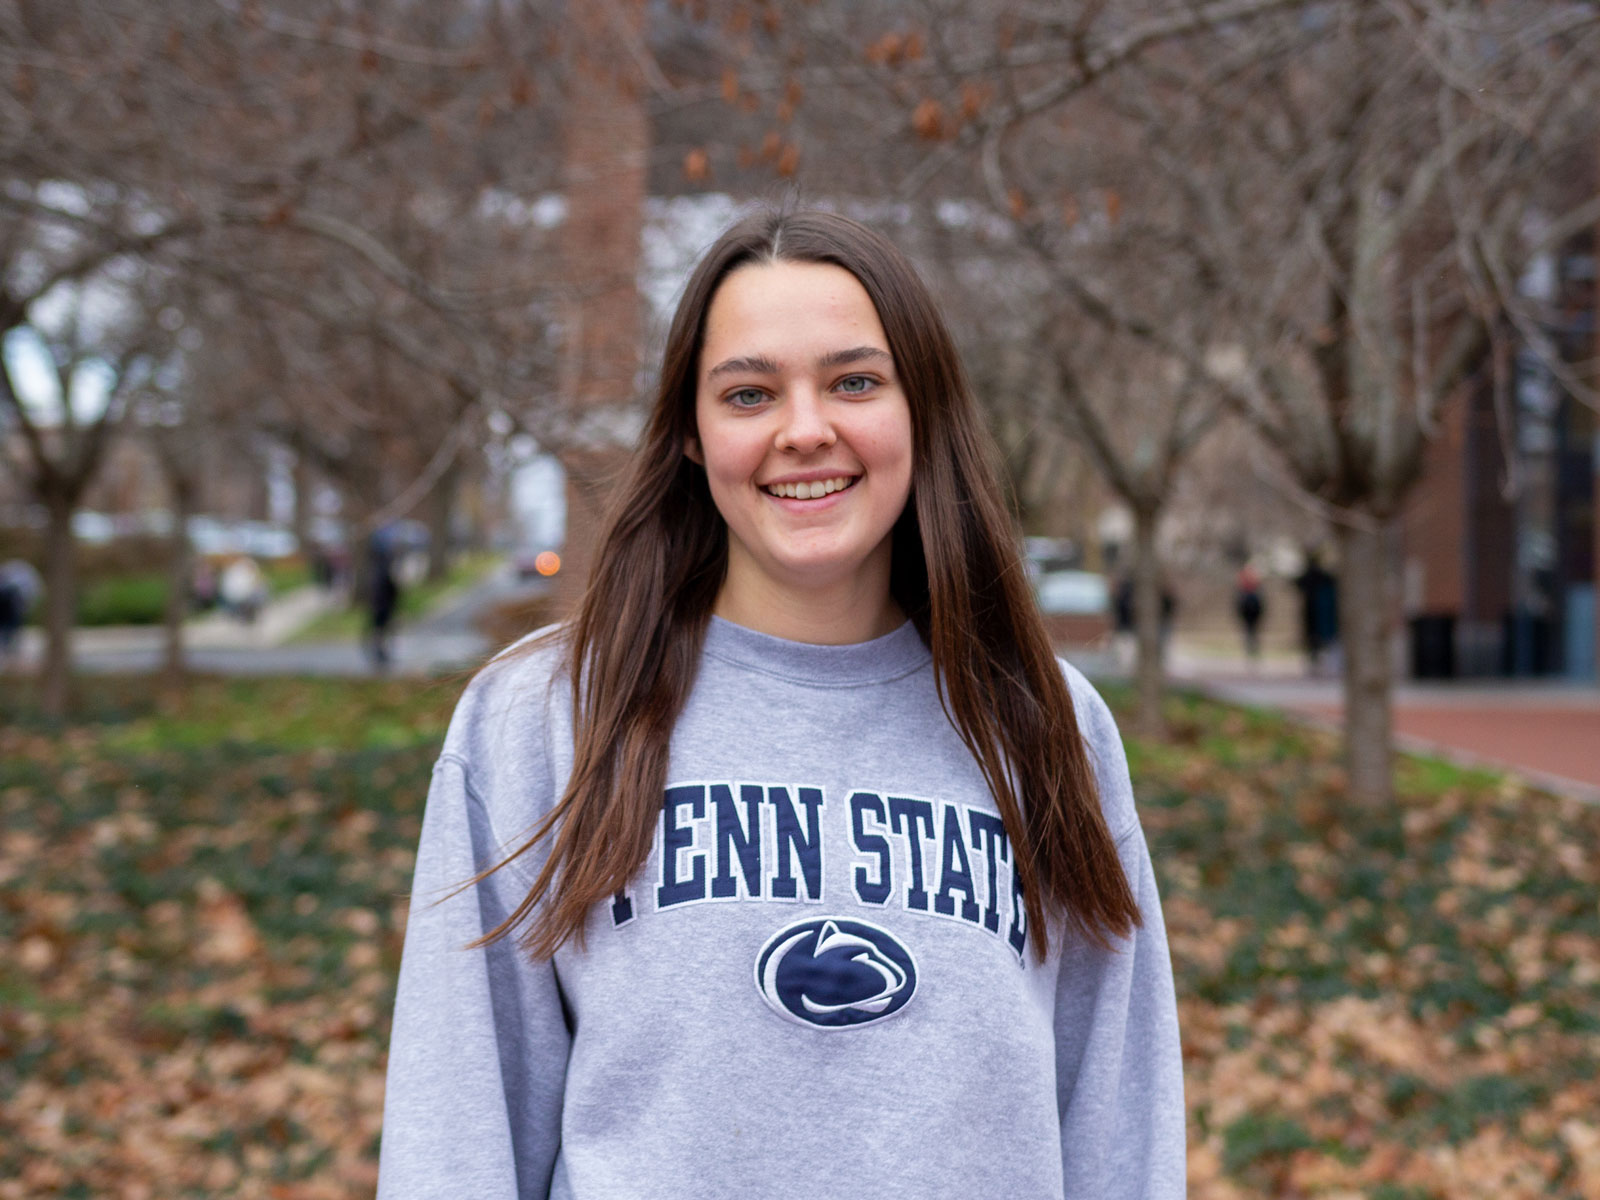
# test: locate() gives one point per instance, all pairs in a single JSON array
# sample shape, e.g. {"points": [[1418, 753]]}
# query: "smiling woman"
{"points": [[794, 863]]}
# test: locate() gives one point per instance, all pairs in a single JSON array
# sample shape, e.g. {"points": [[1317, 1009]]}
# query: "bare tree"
{"points": [[177, 433], [326, 162], [82, 349], [1048, 377], [1350, 215], [1140, 418], [1346, 190]]}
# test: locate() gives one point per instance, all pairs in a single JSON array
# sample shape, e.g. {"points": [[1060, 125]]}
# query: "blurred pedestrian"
{"points": [[1124, 639], [794, 863], [339, 566], [322, 573], [1319, 612], [243, 589], [20, 586], [203, 586], [1122, 604], [383, 597], [1125, 631], [1249, 607]]}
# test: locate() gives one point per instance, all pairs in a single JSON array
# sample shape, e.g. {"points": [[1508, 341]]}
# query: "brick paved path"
{"points": [[1549, 732], [1562, 741]]}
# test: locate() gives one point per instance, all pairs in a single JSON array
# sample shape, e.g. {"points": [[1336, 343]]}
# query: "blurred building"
{"points": [[1501, 540], [131, 491]]}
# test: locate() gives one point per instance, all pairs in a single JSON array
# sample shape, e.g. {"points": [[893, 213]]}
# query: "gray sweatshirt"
{"points": [[821, 983]]}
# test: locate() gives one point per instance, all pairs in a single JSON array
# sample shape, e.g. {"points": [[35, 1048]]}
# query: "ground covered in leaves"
{"points": [[1397, 1005], [201, 905]]}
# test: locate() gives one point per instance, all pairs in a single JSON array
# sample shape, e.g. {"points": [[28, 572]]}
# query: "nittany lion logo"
{"points": [[832, 973]]}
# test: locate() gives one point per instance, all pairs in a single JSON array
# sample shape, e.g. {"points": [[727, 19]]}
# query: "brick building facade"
{"points": [[1502, 544]]}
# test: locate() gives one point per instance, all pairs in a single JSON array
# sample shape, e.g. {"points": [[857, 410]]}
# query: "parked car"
{"points": [[1076, 606]]}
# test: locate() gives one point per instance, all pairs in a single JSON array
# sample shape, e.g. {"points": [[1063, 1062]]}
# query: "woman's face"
{"points": [[803, 431]]}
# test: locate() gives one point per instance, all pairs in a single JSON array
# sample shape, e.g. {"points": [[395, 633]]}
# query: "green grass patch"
{"points": [[285, 574], [1253, 1138]]}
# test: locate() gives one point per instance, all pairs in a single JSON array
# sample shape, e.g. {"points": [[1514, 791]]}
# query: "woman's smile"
{"points": [[809, 489]]}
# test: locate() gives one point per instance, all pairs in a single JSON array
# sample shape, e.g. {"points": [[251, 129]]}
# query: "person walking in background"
{"points": [[203, 586], [1123, 608], [10, 616], [20, 586], [1124, 640], [795, 863], [383, 597], [1249, 607], [1319, 611], [322, 572], [243, 589]]}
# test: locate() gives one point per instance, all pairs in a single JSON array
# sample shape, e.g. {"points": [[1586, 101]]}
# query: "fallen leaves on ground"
{"points": [[1397, 1004], [204, 901]]}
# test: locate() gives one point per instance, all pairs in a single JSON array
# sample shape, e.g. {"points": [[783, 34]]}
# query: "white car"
{"points": [[1072, 593]]}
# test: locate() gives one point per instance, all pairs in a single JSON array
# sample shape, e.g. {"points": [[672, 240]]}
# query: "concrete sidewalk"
{"points": [[1547, 731], [444, 641], [277, 621]]}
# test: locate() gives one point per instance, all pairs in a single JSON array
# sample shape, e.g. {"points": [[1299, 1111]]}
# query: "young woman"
{"points": [[800, 865]]}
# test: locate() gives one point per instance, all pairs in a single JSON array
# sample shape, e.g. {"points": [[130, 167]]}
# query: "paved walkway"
{"points": [[215, 630], [442, 642], [1548, 732], [1545, 731]]}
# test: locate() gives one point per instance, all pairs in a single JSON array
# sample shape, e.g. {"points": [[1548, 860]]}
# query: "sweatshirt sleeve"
{"points": [[1119, 1065], [478, 1054]]}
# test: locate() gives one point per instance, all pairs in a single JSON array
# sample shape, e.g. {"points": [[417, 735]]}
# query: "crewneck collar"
{"points": [[876, 661]]}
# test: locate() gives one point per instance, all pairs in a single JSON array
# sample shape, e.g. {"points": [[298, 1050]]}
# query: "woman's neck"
{"points": [[836, 616]]}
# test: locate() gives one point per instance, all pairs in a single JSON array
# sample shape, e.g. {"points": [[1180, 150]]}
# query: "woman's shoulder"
{"points": [[1098, 728], [507, 708]]}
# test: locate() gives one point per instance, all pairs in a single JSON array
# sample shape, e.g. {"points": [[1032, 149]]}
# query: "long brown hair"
{"points": [[634, 645]]}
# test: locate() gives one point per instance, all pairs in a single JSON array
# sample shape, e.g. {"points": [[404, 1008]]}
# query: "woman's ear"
{"points": [[691, 450]]}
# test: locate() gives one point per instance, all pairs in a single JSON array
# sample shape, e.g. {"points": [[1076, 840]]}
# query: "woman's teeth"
{"points": [[810, 491]]}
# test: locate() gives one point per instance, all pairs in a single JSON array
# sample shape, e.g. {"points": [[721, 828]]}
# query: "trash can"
{"points": [[1433, 646]]}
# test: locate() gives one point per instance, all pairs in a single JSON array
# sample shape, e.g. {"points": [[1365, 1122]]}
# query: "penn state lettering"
{"points": [[724, 841], [767, 842], [938, 842]]}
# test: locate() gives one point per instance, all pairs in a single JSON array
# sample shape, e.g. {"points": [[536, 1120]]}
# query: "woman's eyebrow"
{"points": [[760, 364], [756, 365], [839, 358]]}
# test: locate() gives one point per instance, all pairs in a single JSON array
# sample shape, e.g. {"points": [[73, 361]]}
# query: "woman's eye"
{"points": [[746, 398], [855, 385]]}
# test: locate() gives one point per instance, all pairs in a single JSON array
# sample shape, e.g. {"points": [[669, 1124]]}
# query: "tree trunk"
{"points": [[605, 167], [179, 570], [1148, 623], [1365, 619], [591, 476], [441, 515], [60, 597], [303, 489]]}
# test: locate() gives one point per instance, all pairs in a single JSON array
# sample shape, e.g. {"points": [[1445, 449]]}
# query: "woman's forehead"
{"points": [[785, 315]]}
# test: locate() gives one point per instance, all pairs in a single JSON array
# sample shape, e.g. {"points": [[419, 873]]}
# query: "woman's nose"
{"points": [[805, 427]]}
